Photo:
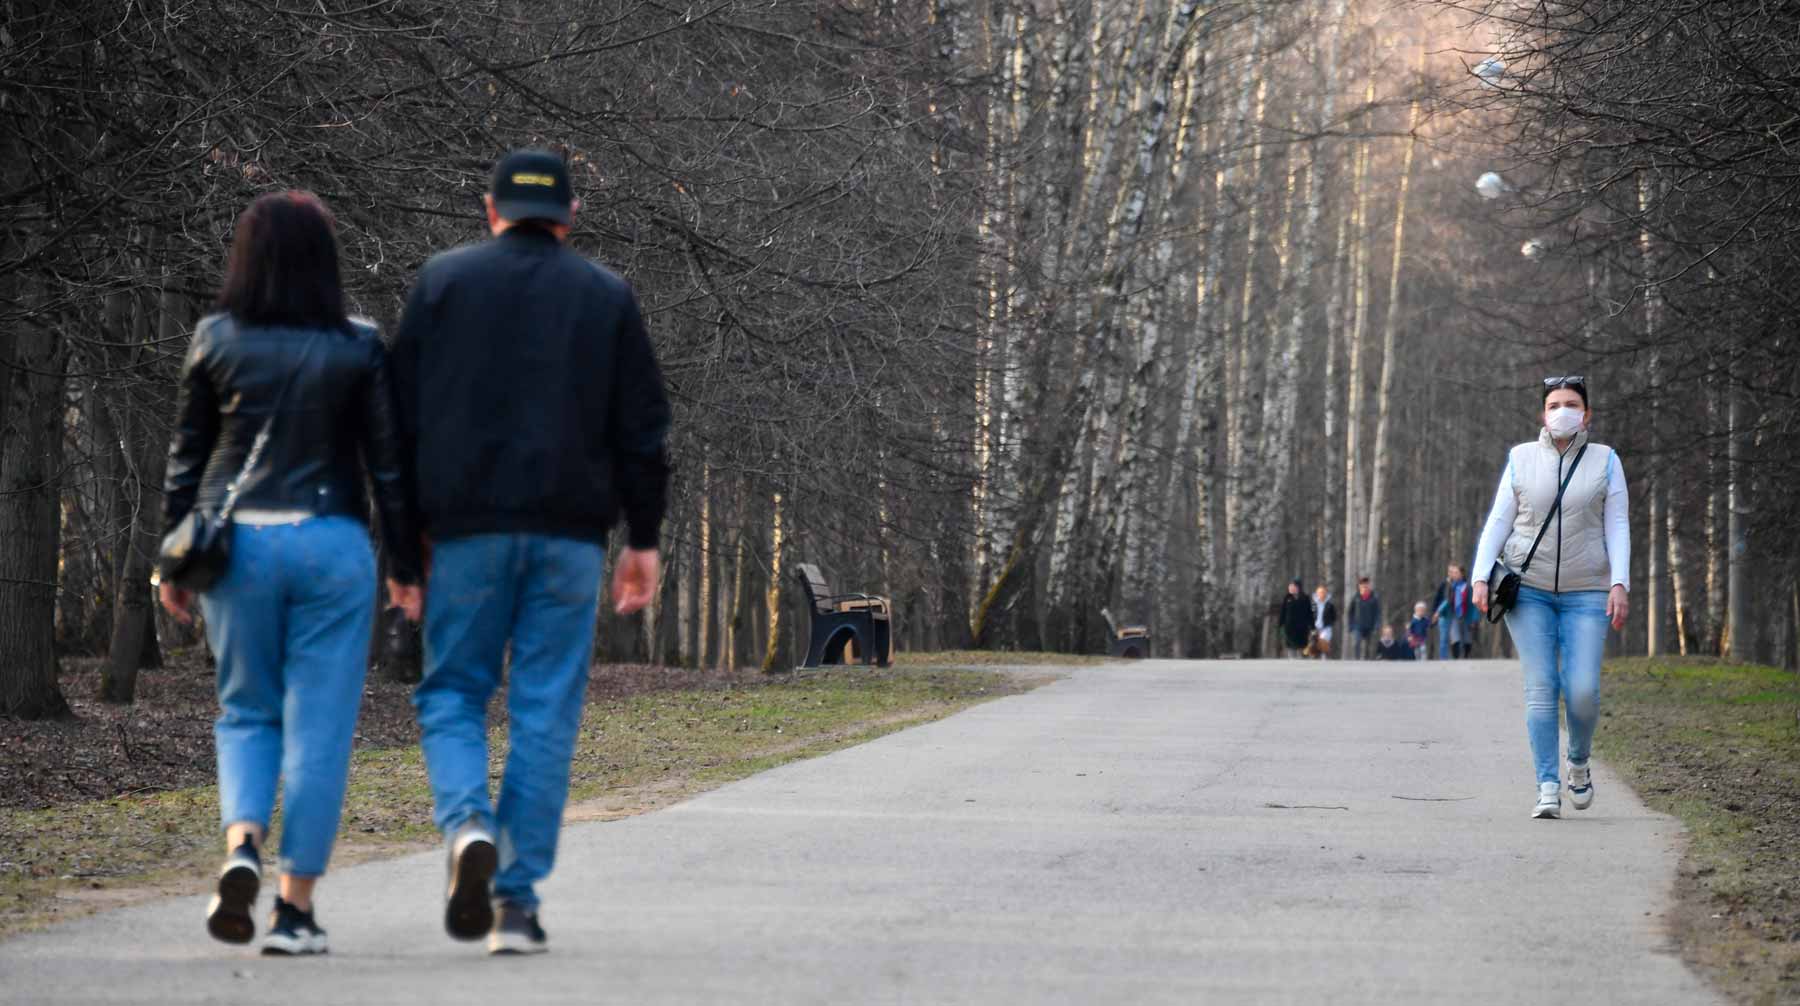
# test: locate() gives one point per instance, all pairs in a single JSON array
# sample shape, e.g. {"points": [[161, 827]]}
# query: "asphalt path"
{"points": [[1181, 832]]}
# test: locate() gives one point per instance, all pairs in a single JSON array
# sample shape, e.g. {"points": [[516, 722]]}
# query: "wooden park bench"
{"points": [[845, 626], [1131, 642]]}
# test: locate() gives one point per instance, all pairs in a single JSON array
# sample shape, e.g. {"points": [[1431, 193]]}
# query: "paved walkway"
{"points": [[1161, 832]]}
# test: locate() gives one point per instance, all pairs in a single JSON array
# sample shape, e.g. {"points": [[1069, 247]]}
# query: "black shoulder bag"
{"points": [[197, 550], [1505, 582]]}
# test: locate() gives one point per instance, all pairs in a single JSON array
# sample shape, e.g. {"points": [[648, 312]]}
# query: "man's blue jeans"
{"points": [[540, 594], [1560, 639], [289, 626]]}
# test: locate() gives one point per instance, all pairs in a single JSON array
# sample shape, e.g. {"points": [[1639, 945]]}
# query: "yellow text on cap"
{"points": [[529, 179]]}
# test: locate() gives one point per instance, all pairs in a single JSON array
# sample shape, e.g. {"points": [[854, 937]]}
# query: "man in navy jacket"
{"points": [[535, 415]]}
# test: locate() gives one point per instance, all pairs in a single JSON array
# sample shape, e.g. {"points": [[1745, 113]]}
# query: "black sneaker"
{"points": [[469, 911], [292, 933], [516, 932], [228, 915]]}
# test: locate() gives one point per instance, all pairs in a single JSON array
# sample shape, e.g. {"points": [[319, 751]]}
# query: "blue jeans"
{"points": [[1560, 639], [289, 625], [541, 594]]}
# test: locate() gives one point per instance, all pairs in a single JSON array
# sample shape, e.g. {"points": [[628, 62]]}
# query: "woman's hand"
{"points": [[1618, 605], [177, 602], [1479, 594]]}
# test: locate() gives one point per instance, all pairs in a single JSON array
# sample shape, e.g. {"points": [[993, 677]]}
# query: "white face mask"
{"points": [[1564, 423]]}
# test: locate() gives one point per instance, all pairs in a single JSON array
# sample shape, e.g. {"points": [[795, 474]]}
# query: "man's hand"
{"points": [[1479, 594], [1618, 605], [634, 581], [177, 602], [408, 597]]}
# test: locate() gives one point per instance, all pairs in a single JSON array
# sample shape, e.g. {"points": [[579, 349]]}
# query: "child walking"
{"points": [[1419, 630]]}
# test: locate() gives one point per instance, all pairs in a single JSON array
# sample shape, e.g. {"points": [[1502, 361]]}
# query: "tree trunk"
{"points": [[1353, 405], [134, 623], [1384, 392], [1737, 644], [31, 436], [771, 654]]}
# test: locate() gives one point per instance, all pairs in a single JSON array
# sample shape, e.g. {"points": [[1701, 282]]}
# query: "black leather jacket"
{"points": [[337, 417]]}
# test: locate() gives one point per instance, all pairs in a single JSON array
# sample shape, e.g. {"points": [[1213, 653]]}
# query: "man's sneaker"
{"points": [[516, 932], [292, 933], [1549, 800], [469, 912], [1581, 786], [228, 915]]}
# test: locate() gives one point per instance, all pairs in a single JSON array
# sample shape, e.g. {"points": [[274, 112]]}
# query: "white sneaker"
{"points": [[1549, 803], [1581, 786]]}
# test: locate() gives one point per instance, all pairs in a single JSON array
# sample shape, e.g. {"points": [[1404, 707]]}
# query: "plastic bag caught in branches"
{"points": [[1491, 185], [1490, 71]]}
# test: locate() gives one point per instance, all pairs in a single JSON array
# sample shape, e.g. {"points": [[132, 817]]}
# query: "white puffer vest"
{"points": [[1572, 555]]}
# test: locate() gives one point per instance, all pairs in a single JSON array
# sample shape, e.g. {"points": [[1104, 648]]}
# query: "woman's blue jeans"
{"points": [[525, 603], [1560, 639], [289, 626]]}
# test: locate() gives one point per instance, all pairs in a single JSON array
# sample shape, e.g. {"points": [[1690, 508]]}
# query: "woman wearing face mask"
{"points": [[1574, 587]]}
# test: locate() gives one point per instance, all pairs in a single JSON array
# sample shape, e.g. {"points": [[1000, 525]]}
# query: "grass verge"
{"points": [[635, 753], [1718, 746]]}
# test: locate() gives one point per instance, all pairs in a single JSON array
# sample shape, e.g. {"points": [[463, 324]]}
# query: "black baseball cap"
{"points": [[533, 185]]}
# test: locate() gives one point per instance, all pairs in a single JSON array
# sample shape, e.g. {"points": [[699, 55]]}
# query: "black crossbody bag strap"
{"points": [[1553, 508]]}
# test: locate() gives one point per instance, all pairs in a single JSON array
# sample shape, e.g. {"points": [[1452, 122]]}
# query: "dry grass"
{"points": [[1718, 745]]}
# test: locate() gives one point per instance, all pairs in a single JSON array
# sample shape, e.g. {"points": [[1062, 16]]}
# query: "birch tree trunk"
{"points": [[1677, 594], [1653, 589], [1353, 405], [1384, 392], [1281, 404], [1737, 644]]}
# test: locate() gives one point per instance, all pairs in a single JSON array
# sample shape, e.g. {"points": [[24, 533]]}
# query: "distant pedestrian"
{"points": [[1418, 631], [1390, 648], [1365, 618], [537, 417], [285, 414], [1296, 620], [1324, 622], [1572, 586], [1455, 614]]}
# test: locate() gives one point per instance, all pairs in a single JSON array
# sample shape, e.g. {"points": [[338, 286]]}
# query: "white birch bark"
{"points": [[1677, 576], [1384, 394], [1281, 401], [1653, 588], [1737, 644], [1125, 486], [1353, 402]]}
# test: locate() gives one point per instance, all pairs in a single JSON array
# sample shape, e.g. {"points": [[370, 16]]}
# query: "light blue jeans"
{"points": [[289, 625], [1560, 639], [540, 594]]}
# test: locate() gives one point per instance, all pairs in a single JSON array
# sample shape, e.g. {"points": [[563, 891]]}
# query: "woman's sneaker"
{"points": [[293, 933], [469, 906], [1549, 803], [1581, 786], [516, 931], [228, 915]]}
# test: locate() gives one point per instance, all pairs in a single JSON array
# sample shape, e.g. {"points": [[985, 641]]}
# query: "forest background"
{"points": [[1013, 310]]}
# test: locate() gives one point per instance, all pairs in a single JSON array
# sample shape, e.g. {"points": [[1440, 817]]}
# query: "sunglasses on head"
{"points": [[1552, 383]]}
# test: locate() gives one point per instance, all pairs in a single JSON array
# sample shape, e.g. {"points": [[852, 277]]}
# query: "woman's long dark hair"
{"points": [[283, 268]]}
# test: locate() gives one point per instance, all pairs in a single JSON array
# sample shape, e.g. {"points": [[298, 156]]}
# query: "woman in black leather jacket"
{"points": [[289, 621]]}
